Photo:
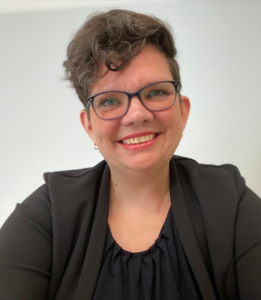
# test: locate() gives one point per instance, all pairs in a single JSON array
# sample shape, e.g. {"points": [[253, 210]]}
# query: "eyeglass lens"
{"points": [[158, 96]]}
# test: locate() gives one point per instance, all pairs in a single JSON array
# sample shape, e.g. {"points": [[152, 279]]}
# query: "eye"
{"points": [[156, 93], [109, 102]]}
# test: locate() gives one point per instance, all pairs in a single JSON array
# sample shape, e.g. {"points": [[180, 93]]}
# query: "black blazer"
{"points": [[51, 247]]}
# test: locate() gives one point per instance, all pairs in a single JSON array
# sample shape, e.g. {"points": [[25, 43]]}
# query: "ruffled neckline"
{"points": [[165, 231]]}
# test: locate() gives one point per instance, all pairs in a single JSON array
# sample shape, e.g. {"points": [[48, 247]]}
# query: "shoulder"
{"points": [[218, 188], [68, 186], [64, 193], [217, 178], [90, 173], [193, 165], [72, 191]]}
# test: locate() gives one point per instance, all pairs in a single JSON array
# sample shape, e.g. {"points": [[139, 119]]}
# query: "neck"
{"points": [[147, 191]]}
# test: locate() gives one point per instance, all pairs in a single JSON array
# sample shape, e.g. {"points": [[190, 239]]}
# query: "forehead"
{"points": [[149, 66]]}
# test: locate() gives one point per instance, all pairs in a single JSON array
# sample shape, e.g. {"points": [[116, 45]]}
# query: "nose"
{"points": [[137, 113]]}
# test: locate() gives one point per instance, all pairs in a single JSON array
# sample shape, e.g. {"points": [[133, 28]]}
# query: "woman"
{"points": [[143, 224]]}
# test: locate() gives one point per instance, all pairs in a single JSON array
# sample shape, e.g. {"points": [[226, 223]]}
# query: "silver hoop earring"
{"points": [[95, 147]]}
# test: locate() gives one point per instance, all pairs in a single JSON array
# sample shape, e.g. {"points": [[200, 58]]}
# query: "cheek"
{"points": [[171, 119], [105, 133]]}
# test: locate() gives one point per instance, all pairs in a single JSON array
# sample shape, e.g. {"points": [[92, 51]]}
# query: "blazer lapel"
{"points": [[94, 254], [217, 194], [187, 235]]}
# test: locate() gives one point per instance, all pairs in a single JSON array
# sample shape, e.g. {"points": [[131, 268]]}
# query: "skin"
{"points": [[139, 197]]}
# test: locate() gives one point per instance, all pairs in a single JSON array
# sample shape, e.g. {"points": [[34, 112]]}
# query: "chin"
{"points": [[145, 164]]}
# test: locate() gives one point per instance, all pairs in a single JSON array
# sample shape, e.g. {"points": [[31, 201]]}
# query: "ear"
{"points": [[184, 110], [86, 123]]}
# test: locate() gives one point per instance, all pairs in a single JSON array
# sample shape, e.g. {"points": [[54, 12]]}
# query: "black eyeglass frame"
{"points": [[130, 96]]}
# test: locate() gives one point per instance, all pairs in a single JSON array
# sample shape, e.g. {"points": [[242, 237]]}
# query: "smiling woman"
{"points": [[142, 224]]}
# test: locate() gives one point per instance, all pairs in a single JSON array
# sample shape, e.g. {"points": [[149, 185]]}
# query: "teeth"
{"points": [[140, 139]]}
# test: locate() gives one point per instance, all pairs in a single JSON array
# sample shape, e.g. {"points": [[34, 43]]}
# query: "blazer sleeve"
{"points": [[248, 244], [26, 249]]}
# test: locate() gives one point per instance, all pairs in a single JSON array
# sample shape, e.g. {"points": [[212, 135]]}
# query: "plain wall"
{"points": [[219, 48]]}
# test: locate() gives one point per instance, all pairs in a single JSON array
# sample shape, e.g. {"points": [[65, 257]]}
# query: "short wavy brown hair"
{"points": [[117, 35]]}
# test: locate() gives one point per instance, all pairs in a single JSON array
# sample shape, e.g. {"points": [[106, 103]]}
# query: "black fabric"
{"points": [[159, 273], [51, 247], [198, 223], [188, 236]]}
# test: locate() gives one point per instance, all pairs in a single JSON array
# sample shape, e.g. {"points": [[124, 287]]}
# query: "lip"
{"points": [[140, 146], [138, 134]]}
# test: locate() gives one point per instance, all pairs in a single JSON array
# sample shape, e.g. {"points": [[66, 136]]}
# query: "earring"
{"points": [[95, 147]]}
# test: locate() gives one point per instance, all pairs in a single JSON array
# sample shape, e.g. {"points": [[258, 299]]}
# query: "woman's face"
{"points": [[147, 67]]}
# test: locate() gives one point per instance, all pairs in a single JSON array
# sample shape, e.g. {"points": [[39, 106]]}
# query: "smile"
{"points": [[138, 140]]}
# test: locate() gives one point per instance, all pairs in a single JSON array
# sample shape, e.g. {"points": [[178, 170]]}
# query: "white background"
{"points": [[219, 49]]}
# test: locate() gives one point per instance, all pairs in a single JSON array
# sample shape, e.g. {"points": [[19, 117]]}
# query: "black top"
{"points": [[158, 273]]}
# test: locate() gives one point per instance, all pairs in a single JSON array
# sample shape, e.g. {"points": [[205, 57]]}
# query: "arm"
{"points": [[248, 246], [26, 249]]}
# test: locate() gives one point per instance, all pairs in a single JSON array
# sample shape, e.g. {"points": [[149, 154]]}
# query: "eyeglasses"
{"points": [[157, 96]]}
